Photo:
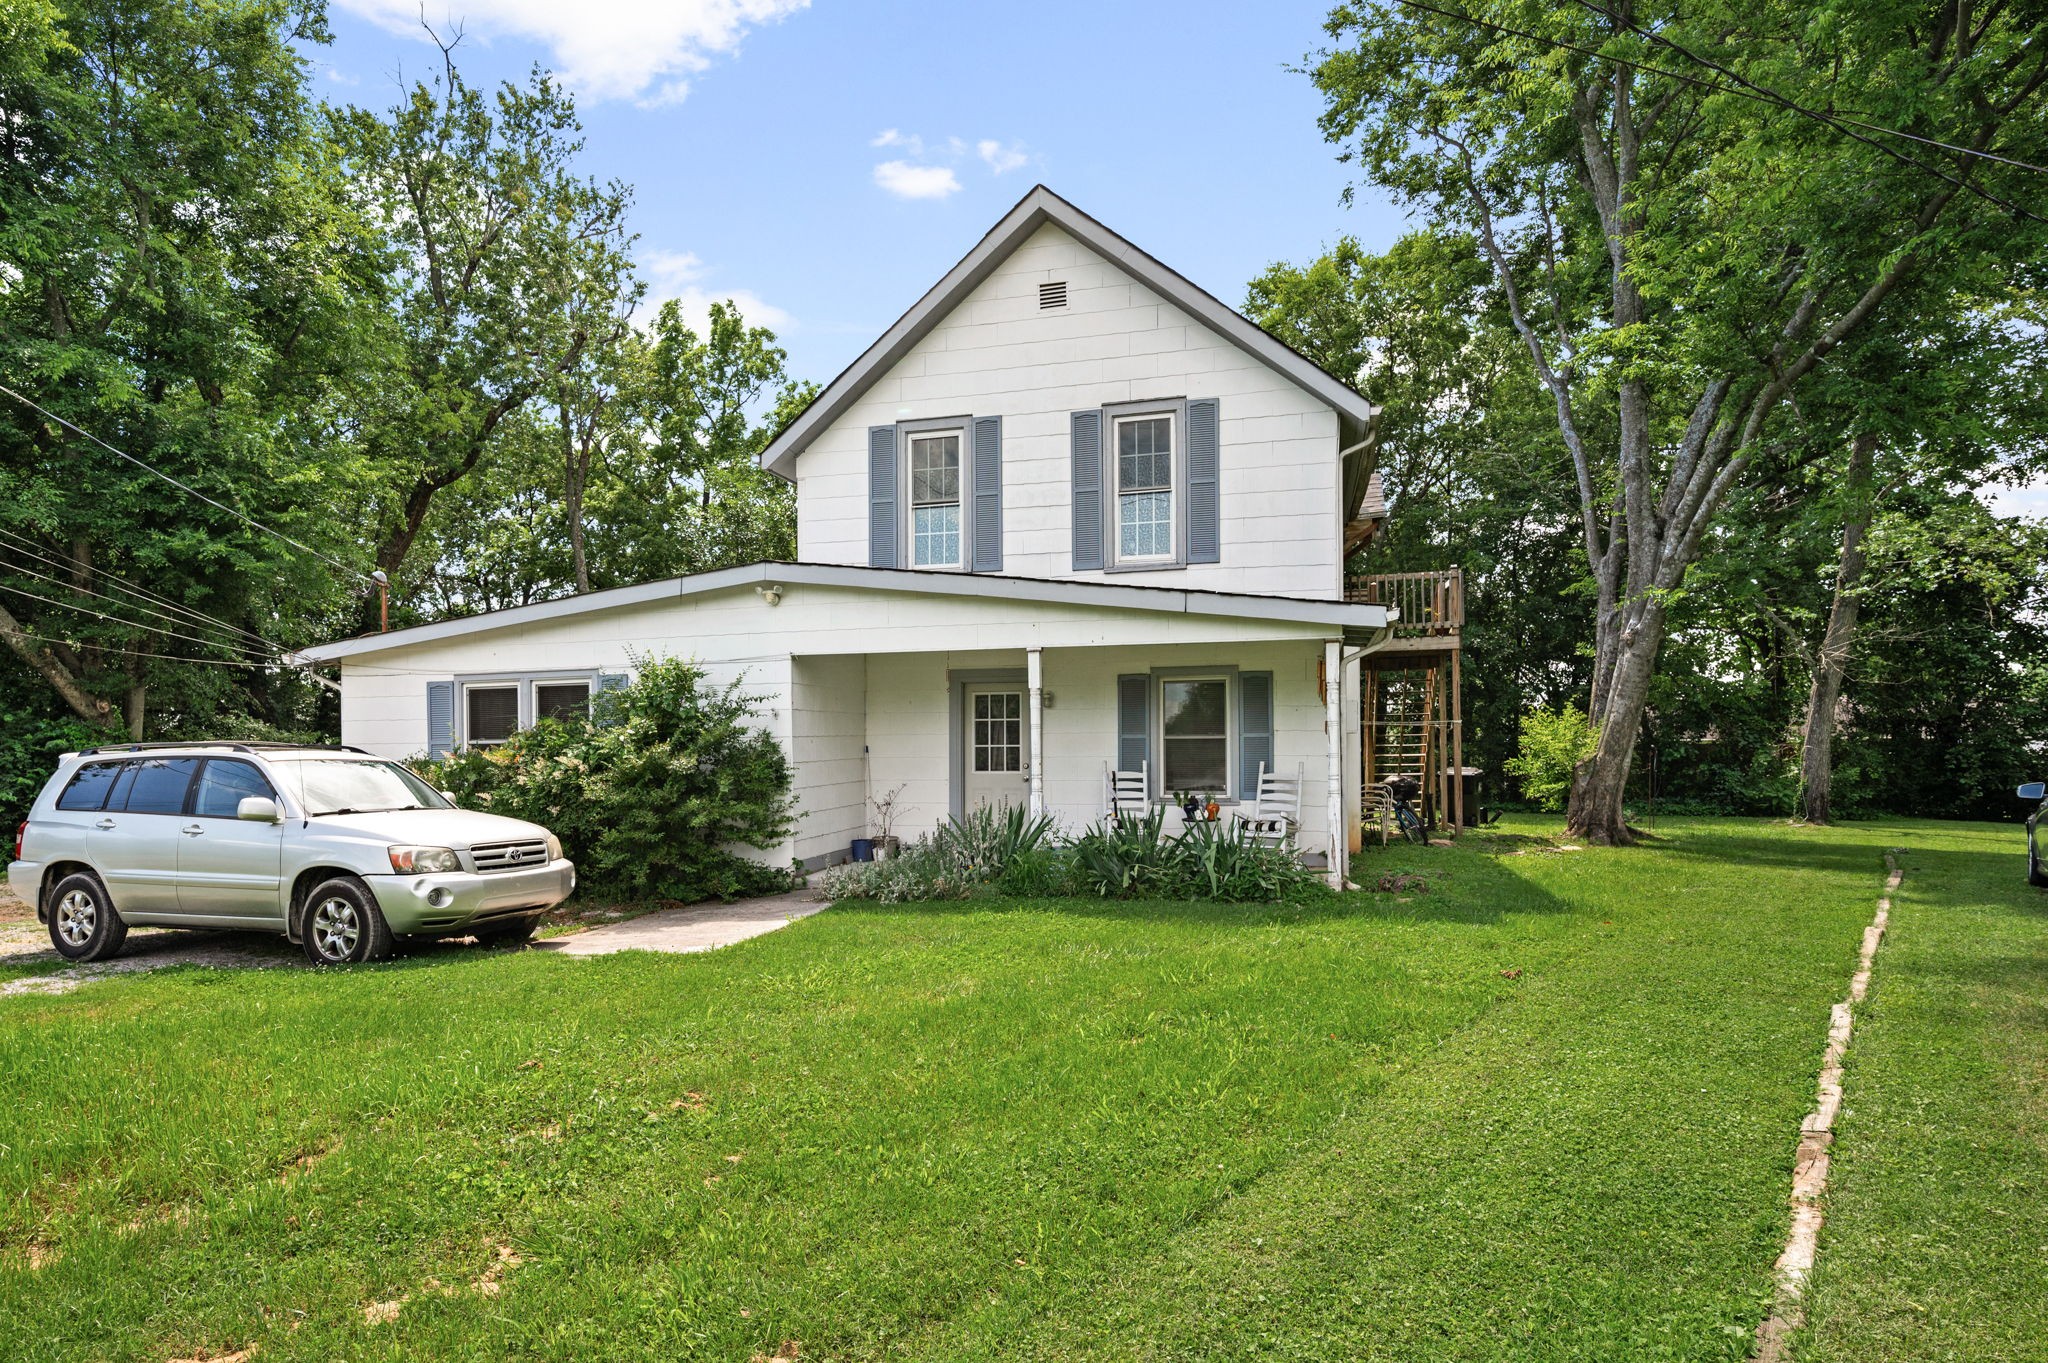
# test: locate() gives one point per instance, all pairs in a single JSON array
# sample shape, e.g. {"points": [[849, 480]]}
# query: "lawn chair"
{"points": [[1127, 794], [1276, 811]]}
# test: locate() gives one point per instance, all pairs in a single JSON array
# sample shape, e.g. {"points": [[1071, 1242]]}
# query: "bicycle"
{"points": [[1400, 790]]}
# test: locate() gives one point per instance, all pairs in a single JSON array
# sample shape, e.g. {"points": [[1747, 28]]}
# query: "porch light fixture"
{"points": [[771, 593]]}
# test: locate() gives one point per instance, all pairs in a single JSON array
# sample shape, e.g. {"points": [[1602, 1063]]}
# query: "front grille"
{"points": [[510, 856]]}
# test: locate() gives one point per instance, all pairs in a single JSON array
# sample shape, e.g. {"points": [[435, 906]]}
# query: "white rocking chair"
{"points": [[1276, 810], [1127, 793]]}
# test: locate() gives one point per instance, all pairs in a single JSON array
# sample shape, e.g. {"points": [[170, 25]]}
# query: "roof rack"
{"points": [[259, 746]]}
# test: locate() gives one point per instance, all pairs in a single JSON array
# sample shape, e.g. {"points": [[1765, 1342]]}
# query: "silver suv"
{"points": [[336, 848]]}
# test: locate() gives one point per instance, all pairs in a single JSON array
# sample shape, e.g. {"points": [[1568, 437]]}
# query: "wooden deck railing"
{"points": [[1429, 603]]}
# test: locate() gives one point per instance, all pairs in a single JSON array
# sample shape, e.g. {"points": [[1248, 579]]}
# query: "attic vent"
{"points": [[1052, 295]]}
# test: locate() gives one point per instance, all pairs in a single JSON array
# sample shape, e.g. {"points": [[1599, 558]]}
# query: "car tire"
{"points": [[83, 923], [516, 933], [340, 924]]}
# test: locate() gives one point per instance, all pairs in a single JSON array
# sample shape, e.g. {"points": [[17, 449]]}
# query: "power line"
{"points": [[1721, 88], [1774, 97], [184, 487], [21, 544], [117, 619], [229, 642], [164, 657]]}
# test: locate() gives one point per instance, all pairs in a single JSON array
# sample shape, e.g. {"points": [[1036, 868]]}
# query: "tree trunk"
{"points": [[575, 470], [1598, 811], [1831, 663], [86, 706]]}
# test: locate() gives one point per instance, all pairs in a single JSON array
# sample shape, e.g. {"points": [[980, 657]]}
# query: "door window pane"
{"points": [[224, 785], [89, 786], [999, 731], [1195, 727], [160, 784], [561, 700], [493, 714]]}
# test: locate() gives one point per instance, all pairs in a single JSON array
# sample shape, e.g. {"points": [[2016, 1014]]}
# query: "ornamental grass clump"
{"points": [[649, 792], [1001, 850]]}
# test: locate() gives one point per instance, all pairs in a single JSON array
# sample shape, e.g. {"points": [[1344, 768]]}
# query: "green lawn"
{"points": [[1544, 1110]]}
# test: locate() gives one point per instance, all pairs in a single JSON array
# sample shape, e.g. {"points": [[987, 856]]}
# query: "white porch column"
{"points": [[1333, 726], [1034, 677]]}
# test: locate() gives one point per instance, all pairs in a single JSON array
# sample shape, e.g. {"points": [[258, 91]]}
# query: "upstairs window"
{"points": [[935, 500], [1144, 488]]}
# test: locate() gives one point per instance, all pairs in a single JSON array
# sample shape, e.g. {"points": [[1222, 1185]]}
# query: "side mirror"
{"points": [[2034, 790], [257, 809], [449, 796]]}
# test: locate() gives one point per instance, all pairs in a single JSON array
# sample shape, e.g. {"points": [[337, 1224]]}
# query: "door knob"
{"points": [[104, 823], [192, 830]]}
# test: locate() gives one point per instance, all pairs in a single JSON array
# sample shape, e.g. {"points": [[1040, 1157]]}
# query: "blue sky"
{"points": [[756, 135]]}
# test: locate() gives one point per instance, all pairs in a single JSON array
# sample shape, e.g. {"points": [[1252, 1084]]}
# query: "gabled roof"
{"points": [[1033, 211], [1354, 619]]}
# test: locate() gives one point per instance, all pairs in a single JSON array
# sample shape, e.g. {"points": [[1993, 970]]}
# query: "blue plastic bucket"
{"points": [[863, 849]]}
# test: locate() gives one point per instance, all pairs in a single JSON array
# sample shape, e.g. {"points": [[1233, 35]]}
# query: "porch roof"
{"points": [[1355, 621]]}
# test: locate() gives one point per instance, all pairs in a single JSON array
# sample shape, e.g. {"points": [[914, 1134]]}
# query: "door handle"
{"points": [[104, 823], [192, 830]]}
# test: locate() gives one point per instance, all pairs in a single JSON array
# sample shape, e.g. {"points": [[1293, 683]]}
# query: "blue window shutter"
{"points": [[440, 718], [1205, 463], [882, 515], [988, 494], [1087, 489], [1133, 721], [1254, 730]]}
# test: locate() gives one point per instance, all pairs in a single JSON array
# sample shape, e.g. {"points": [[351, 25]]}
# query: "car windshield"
{"points": [[339, 786]]}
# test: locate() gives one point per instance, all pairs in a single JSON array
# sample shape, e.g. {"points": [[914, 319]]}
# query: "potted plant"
{"points": [[1190, 807], [886, 844], [1210, 807]]}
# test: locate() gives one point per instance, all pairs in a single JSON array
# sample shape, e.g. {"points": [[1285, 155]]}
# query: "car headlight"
{"points": [[412, 860], [554, 848]]}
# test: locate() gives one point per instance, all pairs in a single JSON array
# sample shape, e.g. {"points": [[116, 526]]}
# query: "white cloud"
{"points": [[906, 181], [679, 275], [891, 137], [339, 78], [2028, 499], [1000, 158], [642, 50]]}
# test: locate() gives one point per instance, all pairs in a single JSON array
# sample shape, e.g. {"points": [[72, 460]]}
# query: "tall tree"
{"points": [[1678, 252], [179, 276], [504, 261]]}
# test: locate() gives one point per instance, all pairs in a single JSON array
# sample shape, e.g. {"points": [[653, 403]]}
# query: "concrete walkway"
{"points": [[701, 927]]}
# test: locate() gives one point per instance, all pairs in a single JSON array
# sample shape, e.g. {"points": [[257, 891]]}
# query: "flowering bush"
{"points": [[649, 794]]}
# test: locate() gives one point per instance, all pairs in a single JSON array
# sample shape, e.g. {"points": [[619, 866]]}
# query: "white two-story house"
{"points": [[1069, 514]]}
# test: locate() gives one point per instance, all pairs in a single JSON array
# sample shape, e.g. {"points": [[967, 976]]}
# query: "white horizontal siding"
{"points": [[1116, 341]]}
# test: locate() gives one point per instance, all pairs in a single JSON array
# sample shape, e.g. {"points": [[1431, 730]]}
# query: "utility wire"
{"points": [[1725, 89], [21, 544], [229, 642], [123, 620], [184, 487], [165, 657], [1765, 92]]}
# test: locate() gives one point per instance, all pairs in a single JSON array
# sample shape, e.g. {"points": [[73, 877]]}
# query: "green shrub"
{"points": [[650, 793], [1553, 744], [1004, 851], [30, 745], [984, 843]]}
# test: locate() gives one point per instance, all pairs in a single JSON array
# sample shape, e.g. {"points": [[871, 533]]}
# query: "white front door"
{"points": [[998, 752]]}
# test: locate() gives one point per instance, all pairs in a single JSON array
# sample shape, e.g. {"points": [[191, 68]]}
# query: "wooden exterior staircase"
{"points": [[1413, 721]]}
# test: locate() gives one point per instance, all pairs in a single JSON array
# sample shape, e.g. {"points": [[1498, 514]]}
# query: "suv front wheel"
{"points": [[83, 924], [341, 924]]}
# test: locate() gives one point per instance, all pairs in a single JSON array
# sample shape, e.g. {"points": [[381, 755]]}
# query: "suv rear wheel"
{"points": [[83, 924], [341, 924]]}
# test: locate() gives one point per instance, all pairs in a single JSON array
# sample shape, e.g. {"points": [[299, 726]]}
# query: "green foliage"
{"points": [[29, 747], [649, 793], [1554, 742], [1001, 849]]}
